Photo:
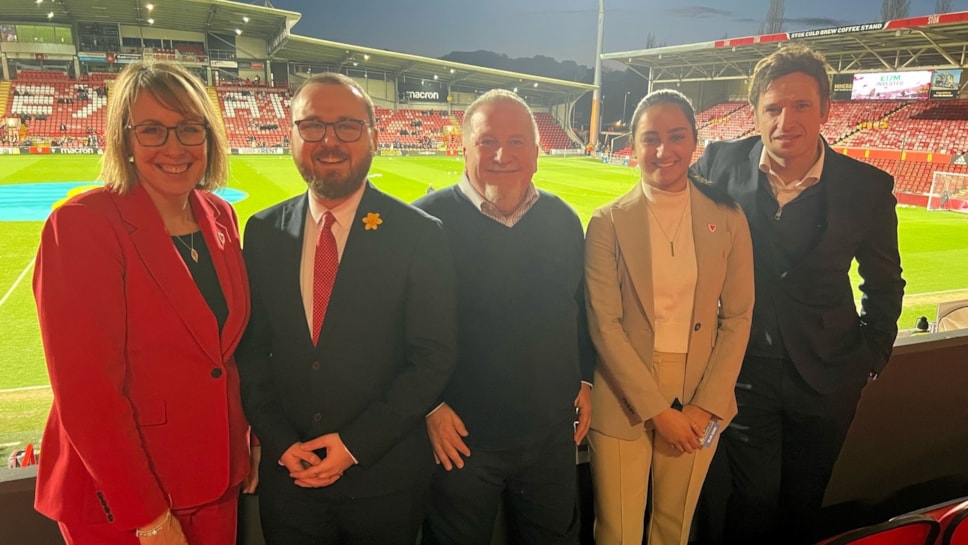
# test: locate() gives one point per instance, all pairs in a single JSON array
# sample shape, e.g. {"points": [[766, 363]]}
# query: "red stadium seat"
{"points": [[911, 529], [944, 513], [956, 528]]}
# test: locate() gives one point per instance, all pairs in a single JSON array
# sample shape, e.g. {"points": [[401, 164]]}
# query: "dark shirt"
{"points": [[204, 273]]}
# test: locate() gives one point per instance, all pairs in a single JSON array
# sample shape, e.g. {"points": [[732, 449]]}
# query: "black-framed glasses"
{"points": [[153, 135], [346, 130]]}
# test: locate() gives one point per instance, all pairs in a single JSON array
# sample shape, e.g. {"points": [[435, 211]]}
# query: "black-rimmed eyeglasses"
{"points": [[153, 135], [347, 130]]}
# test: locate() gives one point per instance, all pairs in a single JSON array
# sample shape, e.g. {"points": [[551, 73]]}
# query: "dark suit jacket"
{"points": [[828, 342], [385, 352], [146, 391]]}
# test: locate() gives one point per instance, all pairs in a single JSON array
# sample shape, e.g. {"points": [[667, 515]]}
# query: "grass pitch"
{"points": [[933, 251]]}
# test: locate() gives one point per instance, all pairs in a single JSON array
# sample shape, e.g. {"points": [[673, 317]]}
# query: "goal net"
{"points": [[949, 191]]}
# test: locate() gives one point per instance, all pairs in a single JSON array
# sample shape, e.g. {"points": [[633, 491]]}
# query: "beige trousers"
{"points": [[621, 471]]}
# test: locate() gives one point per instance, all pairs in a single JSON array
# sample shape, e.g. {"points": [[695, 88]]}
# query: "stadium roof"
{"points": [[274, 25], [218, 16], [339, 55], [931, 41]]}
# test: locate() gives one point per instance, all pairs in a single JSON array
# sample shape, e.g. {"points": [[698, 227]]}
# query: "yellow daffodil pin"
{"points": [[372, 220]]}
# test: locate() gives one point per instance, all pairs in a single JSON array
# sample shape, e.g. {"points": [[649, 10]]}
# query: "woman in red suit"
{"points": [[142, 297]]}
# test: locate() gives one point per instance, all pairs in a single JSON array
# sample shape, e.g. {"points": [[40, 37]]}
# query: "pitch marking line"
{"points": [[17, 281], [25, 389]]}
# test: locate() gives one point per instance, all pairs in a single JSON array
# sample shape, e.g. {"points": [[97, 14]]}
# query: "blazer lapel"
{"points": [[748, 184], [841, 199], [229, 268], [631, 219], [166, 267], [293, 224], [707, 233]]}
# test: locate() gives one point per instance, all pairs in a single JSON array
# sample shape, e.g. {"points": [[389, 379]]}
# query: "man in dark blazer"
{"points": [[811, 212], [337, 390]]}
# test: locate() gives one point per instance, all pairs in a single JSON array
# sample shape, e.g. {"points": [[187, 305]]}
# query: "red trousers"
{"points": [[209, 524]]}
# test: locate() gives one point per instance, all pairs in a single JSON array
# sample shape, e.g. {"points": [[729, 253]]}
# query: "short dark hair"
{"points": [[665, 96], [335, 78], [788, 60]]}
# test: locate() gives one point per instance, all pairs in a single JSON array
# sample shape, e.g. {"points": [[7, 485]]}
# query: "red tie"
{"points": [[324, 272]]}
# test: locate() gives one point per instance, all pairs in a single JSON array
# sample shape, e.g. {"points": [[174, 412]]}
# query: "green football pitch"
{"points": [[933, 249]]}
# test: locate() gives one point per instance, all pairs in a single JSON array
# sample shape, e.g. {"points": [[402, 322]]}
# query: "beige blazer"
{"points": [[618, 272]]}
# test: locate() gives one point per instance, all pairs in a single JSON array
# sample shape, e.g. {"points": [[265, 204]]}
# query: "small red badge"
{"points": [[712, 227]]}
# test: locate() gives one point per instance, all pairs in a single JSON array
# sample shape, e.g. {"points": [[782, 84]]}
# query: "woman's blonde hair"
{"points": [[175, 88]]}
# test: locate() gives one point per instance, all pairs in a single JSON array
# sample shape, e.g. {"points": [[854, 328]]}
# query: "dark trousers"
{"points": [[297, 516], [775, 458], [536, 482]]}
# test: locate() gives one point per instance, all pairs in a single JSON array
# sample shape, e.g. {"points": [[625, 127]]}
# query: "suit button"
{"points": [[100, 495], [698, 327], [315, 366], [317, 417], [216, 373], [110, 517]]}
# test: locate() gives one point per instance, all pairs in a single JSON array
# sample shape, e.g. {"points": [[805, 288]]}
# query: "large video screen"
{"points": [[891, 85], [945, 83]]}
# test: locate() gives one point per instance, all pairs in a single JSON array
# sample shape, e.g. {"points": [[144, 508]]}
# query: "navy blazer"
{"points": [[385, 351], [828, 342]]}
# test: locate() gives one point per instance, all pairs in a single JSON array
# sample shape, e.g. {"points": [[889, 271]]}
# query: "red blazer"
{"points": [[147, 410]]}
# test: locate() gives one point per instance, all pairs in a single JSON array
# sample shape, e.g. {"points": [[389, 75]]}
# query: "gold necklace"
{"points": [[672, 241], [191, 249]]}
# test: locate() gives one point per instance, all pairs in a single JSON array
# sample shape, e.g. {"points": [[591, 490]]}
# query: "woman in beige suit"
{"points": [[670, 293]]}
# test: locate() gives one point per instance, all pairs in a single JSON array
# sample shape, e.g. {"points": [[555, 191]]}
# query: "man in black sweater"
{"points": [[505, 427]]}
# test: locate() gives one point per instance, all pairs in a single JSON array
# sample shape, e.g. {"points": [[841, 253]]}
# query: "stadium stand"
{"points": [[255, 117], [927, 125], [552, 135], [735, 121], [901, 125], [413, 129], [848, 117], [57, 108], [259, 116]]}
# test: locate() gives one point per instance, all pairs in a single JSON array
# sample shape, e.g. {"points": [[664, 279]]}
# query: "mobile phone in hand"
{"points": [[710, 434]]}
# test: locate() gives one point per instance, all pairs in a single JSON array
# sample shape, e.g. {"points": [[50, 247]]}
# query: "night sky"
{"points": [[561, 29]]}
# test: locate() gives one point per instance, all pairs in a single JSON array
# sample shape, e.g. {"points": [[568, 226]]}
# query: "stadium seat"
{"points": [[945, 513], [911, 529], [956, 530]]}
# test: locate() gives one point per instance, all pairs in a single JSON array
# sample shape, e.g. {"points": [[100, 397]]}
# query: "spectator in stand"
{"points": [[812, 212], [146, 440], [669, 268]]}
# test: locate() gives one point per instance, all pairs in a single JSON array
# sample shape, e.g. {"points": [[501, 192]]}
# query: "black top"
{"points": [[786, 238], [523, 343], [204, 273]]}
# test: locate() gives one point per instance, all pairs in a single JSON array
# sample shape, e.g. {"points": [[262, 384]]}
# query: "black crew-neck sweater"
{"points": [[522, 334]]}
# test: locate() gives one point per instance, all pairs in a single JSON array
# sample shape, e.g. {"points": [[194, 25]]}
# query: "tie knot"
{"points": [[328, 220]]}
